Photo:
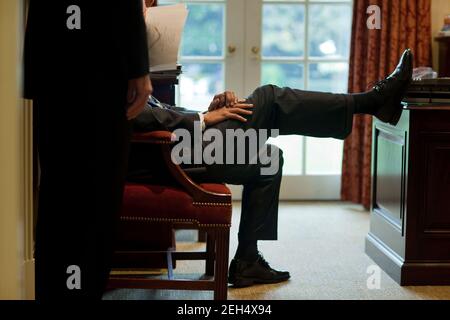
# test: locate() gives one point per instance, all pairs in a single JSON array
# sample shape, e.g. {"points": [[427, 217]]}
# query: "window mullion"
{"points": [[305, 77], [306, 47]]}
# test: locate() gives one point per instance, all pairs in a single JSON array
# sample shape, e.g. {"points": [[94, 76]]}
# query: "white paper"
{"points": [[164, 29]]}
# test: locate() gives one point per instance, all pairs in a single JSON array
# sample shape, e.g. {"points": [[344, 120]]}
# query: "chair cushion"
{"points": [[153, 202]]}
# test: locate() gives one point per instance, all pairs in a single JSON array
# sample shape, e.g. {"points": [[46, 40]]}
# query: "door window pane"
{"points": [[292, 147], [285, 61], [283, 74], [328, 77], [167, 2], [199, 82], [329, 30], [204, 30], [283, 30], [323, 156]]}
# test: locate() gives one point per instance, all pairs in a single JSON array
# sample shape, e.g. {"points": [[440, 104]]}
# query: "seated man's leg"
{"points": [[260, 193], [259, 216], [320, 114], [299, 112]]}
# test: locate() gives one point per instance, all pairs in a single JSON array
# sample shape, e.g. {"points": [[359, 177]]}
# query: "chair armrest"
{"points": [[198, 194], [154, 137], [165, 139]]}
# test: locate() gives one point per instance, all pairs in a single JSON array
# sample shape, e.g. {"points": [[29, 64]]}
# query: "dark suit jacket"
{"points": [[78, 80], [142, 161], [168, 118], [111, 44]]}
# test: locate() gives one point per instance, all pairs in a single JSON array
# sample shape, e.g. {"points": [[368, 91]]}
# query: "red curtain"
{"points": [[147, 4], [374, 55]]}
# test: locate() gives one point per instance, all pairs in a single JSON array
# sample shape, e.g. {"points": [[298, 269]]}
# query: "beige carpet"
{"points": [[321, 244]]}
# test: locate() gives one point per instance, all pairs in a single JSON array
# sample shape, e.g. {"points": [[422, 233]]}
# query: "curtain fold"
{"points": [[373, 55]]}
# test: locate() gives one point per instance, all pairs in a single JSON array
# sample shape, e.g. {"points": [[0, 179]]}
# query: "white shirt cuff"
{"points": [[202, 120]]}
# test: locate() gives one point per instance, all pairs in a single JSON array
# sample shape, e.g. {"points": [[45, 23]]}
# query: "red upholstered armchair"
{"points": [[178, 204]]}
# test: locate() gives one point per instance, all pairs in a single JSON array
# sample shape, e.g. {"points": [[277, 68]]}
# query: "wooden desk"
{"points": [[164, 88], [409, 234]]}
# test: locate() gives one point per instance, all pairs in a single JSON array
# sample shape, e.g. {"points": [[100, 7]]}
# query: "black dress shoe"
{"points": [[393, 89], [244, 273]]}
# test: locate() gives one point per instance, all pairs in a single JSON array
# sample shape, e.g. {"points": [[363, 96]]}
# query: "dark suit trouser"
{"points": [[290, 111], [82, 146]]}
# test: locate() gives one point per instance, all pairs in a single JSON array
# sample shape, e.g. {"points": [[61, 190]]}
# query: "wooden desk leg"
{"points": [[222, 236], [210, 254]]}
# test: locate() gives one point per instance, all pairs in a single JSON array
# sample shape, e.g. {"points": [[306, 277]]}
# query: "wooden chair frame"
{"points": [[217, 235]]}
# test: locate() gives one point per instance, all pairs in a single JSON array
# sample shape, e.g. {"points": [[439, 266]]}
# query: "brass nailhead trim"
{"points": [[228, 225], [173, 220], [153, 141], [156, 219], [214, 204]]}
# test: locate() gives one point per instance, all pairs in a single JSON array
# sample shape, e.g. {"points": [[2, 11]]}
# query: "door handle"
{"points": [[255, 53], [255, 50], [231, 49]]}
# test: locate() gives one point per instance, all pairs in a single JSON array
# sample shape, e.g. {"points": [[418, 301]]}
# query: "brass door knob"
{"points": [[231, 49], [255, 50], [255, 53]]}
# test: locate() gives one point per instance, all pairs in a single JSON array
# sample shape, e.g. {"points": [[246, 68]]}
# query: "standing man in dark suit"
{"points": [[78, 54]]}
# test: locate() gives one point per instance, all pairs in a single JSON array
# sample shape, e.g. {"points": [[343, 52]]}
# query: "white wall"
{"points": [[439, 9], [11, 157]]}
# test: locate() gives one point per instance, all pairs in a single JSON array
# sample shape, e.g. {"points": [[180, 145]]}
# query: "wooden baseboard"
{"points": [[387, 259], [406, 273], [426, 274]]}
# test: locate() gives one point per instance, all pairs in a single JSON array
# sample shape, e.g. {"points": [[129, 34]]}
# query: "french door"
{"points": [[241, 44]]}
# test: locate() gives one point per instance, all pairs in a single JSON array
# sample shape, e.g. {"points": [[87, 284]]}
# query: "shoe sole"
{"points": [[396, 116], [398, 113], [247, 282]]}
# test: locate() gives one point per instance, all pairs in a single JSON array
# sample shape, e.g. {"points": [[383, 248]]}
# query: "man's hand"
{"points": [[138, 91], [226, 99], [236, 112]]}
